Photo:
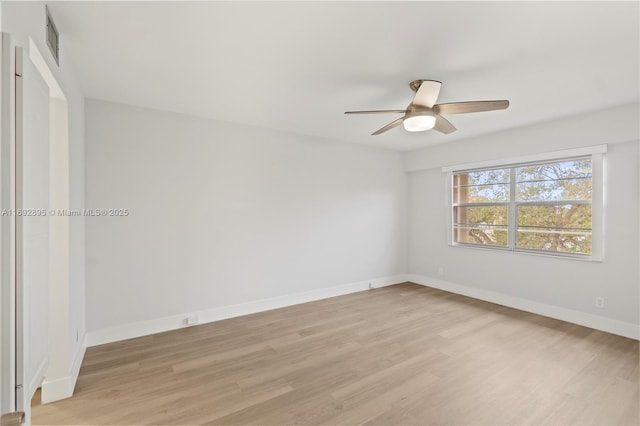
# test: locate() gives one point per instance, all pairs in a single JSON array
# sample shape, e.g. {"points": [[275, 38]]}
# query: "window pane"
{"points": [[565, 180], [579, 243], [481, 193], [486, 225], [566, 217], [481, 186], [554, 190], [568, 169], [482, 177], [484, 236], [560, 228], [486, 215]]}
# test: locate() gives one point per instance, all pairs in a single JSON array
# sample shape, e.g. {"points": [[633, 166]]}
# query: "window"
{"points": [[544, 206]]}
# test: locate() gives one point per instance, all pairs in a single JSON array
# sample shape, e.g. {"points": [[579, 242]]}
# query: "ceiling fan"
{"points": [[424, 114]]}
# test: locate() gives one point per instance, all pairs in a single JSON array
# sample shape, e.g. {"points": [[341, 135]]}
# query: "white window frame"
{"points": [[597, 198]]}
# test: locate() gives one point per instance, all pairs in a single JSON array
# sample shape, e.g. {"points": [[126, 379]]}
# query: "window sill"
{"points": [[567, 256]]}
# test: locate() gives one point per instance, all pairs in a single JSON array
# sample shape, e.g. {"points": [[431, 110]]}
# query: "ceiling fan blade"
{"points": [[382, 111], [443, 125], [394, 123], [472, 106], [427, 93]]}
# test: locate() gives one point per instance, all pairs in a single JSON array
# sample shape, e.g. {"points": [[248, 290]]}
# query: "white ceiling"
{"points": [[297, 66]]}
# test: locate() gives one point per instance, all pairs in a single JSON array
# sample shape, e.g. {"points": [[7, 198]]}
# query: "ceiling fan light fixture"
{"points": [[419, 121]]}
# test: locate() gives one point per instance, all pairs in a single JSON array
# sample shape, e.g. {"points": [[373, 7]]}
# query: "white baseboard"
{"points": [[57, 389], [144, 328], [37, 379], [62, 387], [597, 322]]}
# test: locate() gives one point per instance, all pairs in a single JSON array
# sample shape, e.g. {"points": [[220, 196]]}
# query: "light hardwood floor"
{"points": [[404, 354]]}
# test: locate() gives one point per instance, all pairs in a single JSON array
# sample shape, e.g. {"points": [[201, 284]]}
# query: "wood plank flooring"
{"points": [[404, 354]]}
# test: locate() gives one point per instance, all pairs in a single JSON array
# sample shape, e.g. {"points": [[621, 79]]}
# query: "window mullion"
{"points": [[512, 219]]}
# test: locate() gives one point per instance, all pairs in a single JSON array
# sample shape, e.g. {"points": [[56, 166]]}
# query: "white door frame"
{"points": [[21, 288], [7, 227], [22, 400]]}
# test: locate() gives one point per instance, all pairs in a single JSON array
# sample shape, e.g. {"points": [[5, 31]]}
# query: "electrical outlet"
{"points": [[600, 302], [441, 271], [192, 319], [370, 286]]}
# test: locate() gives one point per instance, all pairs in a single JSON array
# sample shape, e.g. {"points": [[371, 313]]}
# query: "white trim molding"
{"points": [[57, 389], [63, 387], [597, 322], [158, 325], [38, 377], [553, 155]]}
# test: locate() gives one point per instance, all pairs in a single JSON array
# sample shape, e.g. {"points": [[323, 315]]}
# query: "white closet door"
{"points": [[32, 228]]}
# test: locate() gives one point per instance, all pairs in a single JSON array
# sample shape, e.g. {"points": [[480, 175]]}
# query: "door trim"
{"points": [[7, 225]]}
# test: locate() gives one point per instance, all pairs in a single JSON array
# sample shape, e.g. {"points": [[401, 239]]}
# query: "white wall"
{"points": [[224, 214], [569, 285], [25, 21]]}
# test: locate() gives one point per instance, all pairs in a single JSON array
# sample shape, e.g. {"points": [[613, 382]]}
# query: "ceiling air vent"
{"points": [[53, 40]]}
